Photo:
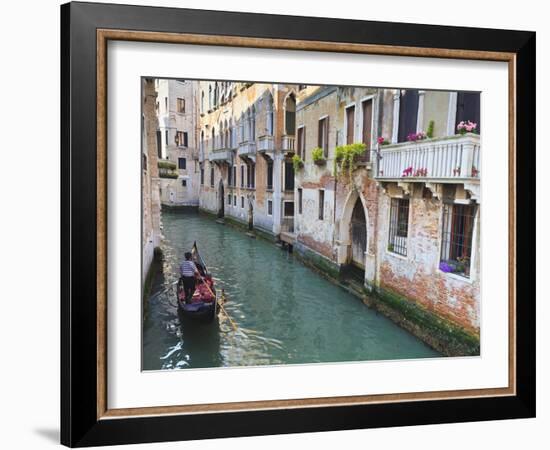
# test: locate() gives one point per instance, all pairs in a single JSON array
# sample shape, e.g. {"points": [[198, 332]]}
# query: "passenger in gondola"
{"points": [[188, 270]]}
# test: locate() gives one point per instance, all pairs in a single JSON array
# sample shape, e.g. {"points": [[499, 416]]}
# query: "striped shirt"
{"points": [[188, 268]]}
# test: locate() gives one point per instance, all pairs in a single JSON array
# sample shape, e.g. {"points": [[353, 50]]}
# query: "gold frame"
{"points": [[103, 36]]}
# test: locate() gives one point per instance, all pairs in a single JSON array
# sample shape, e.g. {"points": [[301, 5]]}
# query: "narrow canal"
{"points": [[285, 312]]}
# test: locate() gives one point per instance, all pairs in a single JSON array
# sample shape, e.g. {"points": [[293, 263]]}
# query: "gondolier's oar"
{"points": [[233, 324]]}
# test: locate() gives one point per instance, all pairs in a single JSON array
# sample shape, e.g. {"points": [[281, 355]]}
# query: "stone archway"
{"points": [[353, 236]]}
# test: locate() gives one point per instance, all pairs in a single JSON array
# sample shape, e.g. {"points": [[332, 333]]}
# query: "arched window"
{"points": [[290, 115], [231, 138], [202, 140], [226, 135], [253, 124], [269, 115], [216, 92], [209, 97], [202, 102], [241, 129], [213, 138]]}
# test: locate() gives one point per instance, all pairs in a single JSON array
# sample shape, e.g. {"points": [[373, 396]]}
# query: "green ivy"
{"points": [[163, 164], [346, 156]]}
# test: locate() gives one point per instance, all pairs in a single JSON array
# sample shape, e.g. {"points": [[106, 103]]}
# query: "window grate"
{"points": [[399, 226], [456, 248]]}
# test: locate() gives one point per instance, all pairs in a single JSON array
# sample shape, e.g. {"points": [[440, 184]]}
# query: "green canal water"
{"points": [[285, 312]]}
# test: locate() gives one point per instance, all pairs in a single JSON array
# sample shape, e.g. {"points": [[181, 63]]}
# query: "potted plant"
{"points": [[318, 156], [382, 141], [297, 162], [346, 156], [466, 127]]}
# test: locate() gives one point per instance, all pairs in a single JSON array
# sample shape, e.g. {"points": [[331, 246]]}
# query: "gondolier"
{"points": [[188, 270]]}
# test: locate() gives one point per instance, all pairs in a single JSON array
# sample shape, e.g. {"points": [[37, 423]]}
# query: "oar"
{"points": [[233, 324]]}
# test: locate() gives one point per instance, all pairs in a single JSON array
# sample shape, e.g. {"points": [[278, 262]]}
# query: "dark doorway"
{"points": [[408, 114], [468, 108], [221, 198], [358, 235]]}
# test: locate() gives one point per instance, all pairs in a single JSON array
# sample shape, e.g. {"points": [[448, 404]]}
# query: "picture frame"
{"points": [[86, 28]]}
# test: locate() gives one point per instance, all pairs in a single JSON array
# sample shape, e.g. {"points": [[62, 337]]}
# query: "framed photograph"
{"points": [[279, 224]]}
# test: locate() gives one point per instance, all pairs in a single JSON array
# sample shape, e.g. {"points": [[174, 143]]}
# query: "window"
{"points": [[144, 162], [350, 124], [165, 103], [242, 202], [166, 137], [159, 144], [181, 138], [321, 204], [229, 199], [301, 142], [270, 175], [408, 114], [242, 175], [251, 175], [456, 246], [202, 176], [290, 115], [253, 124], [202, 102], [234, 175], [269, 208], [182, 163], [367, 126], [300, 199], [212, 176], [229, 176], [181, 105], [289, 209], [234, 200], [289, 176], [322, 136], [184, 182], [399, 226], [213, 138], [269, 121]]}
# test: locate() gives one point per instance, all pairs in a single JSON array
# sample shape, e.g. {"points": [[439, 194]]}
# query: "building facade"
{"points": [[177, 112], [150, 181], [247, 133], [389, 191]]}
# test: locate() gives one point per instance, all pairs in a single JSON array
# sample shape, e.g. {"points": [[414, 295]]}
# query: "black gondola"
{"points": [[203, 304]]}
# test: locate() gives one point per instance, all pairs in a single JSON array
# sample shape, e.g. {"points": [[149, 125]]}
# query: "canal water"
{"points": [[285, 313]]}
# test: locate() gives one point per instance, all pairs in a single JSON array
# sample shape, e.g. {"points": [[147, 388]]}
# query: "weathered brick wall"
{"points": [[417, 275]]}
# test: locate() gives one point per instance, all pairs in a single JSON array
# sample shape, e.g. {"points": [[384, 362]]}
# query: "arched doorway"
{"points": [[358, 225], [221, 199]]}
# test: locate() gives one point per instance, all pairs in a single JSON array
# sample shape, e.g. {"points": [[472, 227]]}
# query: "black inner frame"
{"points": [[79, 425]]}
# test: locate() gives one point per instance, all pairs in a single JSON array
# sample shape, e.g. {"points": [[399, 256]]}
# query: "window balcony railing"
{"points": [[445, 159], [288, 143], [266, 143], [247, 148]]}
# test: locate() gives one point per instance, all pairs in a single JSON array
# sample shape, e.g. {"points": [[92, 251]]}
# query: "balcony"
{"points": [[288, 143], [247, 149], [443, 160], [167, 169], [220, 155], [266, 143]]}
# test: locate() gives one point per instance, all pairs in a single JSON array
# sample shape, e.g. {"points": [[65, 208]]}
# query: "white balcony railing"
{"points": [[266, 143], [288, 143], [247, 148], [443, 159]]}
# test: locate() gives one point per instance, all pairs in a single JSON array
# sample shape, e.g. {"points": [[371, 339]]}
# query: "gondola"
{"points": [[203, 305]]}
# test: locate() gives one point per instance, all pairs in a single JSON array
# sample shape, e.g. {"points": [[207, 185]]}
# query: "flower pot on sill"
{"points": [[320, 162]]}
